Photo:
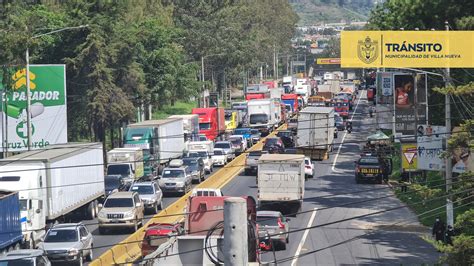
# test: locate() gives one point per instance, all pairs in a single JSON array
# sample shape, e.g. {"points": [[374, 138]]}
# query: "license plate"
{"points": [[114, 221], [370, 171]]}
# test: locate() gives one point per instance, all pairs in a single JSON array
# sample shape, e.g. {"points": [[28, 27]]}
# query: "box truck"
{"points": [[280, 182], [264, 114], [127, 162], [190, 126], [53, 183], [315, 133], [161, 141], [10, 222]]}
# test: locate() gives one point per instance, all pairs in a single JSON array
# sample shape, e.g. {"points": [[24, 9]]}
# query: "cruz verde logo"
{"points": [[22, 130], [367, 50], [20, 79]]}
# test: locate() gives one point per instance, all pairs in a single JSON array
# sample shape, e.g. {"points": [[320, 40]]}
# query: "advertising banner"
{"points": [[48, 109], [409, 157], [462, 158], [425, 49], [384, 100], [430, 146], [328, 61], [408, 110]]}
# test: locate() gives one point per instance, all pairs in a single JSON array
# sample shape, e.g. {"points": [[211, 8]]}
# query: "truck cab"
{"points": [[144, 138], [211, 121], [231, 120]]}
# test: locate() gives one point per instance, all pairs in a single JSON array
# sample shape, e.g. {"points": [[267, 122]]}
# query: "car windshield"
{"points": [[267, 221], [112, 182], [118, 169], [193, 164], [218, 152], [258, 118], [222, 145], [118, 202], [204, 126], [271, 141], [63, 235], [307, 162], [142, 189], [255, 153], [23, 205], [170, 173], [228, 116], [241, 131], [235, 141]]}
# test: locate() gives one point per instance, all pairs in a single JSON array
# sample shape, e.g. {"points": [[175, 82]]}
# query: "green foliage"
{"points": [[313, 12], [465, 222]]}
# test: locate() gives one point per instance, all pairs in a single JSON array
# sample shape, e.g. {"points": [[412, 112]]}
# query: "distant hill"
{"points": [[313, 12]]}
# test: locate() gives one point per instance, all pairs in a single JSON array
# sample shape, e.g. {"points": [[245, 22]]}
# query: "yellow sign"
{"points": [[407, 49], [20, 79], [409, 157], [328, 61]]}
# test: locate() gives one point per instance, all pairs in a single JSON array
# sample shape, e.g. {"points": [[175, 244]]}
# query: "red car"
{"points": [[157, 234]]}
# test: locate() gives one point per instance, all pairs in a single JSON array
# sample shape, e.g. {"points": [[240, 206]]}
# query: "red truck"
{"points": [[211, 121], [341, 107], [291, 99], [252, 96]]}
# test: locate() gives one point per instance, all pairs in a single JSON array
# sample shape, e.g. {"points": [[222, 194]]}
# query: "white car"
{"points": [[241, 139], [219, 157], [308, 168]]}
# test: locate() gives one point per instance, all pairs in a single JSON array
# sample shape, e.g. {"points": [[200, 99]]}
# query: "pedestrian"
{"points": [[349, 126], [438, 230], [404, 180], [449, 234]]}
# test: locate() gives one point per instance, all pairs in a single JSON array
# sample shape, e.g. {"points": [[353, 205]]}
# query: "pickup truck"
{"points": [[369, 168], [251, 164]]}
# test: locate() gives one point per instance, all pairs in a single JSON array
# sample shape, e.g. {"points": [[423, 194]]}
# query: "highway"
{"points": [[387, 238], [358, 241]]}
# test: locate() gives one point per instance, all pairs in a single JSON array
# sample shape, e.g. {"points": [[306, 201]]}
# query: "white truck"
{"points": [[127, 162], [264, 114], [315, 132], [161, 141], [304, 90], [190, 126], [281, 182], [276, 93], [54, 182], [205, 149]]}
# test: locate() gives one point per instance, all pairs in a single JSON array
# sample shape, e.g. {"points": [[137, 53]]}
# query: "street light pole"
{"points": [[28, 92], [448, 169]]}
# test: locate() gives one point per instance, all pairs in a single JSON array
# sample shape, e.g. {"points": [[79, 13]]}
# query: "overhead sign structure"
{"points": [[430, 141], [427, 49], [328, 61], [48, 109], [409, 157]]}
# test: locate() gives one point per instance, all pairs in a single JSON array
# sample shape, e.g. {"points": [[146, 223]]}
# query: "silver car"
{"points": [[26, 257], [227, 147], [276, 225], [70, 242], [150, 194], [176, 180]]}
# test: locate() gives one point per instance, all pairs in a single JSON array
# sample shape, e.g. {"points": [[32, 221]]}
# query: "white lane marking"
{"points": [[303, 239], [333, 168]]}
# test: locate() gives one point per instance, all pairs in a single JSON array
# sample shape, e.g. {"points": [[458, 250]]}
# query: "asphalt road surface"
{"points": [[387, 238]]}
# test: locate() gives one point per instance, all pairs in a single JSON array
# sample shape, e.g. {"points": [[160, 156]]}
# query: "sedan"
{"points": [[219, 157], [308, 168]]}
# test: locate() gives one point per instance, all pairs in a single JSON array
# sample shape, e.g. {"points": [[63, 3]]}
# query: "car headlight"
{"points": [[180, 184], [195, 172], [102, 215], [151, 201], [73, 252]]}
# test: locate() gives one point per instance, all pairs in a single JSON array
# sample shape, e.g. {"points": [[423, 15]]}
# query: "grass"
{"points": [[180, 108]]}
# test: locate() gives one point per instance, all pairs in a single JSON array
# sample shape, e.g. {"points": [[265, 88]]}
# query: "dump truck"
{"points": [[315, 132], [281, 182]]}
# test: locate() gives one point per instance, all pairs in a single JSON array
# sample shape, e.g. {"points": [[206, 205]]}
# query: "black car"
{"points": [[274, 145], [372, 168], [287, 136], [339, 123], [114, 183], [196, 165]]}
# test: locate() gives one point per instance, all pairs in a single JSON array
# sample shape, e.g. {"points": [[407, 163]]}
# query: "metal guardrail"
{"points": [[128, 250]]}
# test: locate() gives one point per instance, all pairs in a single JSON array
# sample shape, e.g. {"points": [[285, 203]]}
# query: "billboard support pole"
{"points": [[28, 99], [449, 173]]}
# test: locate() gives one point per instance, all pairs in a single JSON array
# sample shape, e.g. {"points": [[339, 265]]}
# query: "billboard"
{"points": [[410, 102], [462, 157], [48, 109], [430, 147], [409, 157]]}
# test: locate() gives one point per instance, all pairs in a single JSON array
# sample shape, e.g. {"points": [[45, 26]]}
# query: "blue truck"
{"points": [[10, 223]]}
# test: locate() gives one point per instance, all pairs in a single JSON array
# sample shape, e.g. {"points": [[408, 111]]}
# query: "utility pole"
{"points": [[274, 63], [202, 80], [449, 173], [235, 232], [28, 98]]}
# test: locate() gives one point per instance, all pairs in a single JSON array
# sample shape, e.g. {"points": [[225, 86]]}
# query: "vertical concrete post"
{"points": [[235, 232]]}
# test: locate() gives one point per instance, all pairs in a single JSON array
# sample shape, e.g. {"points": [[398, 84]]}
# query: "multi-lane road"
{"points": [[332, 199]]}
